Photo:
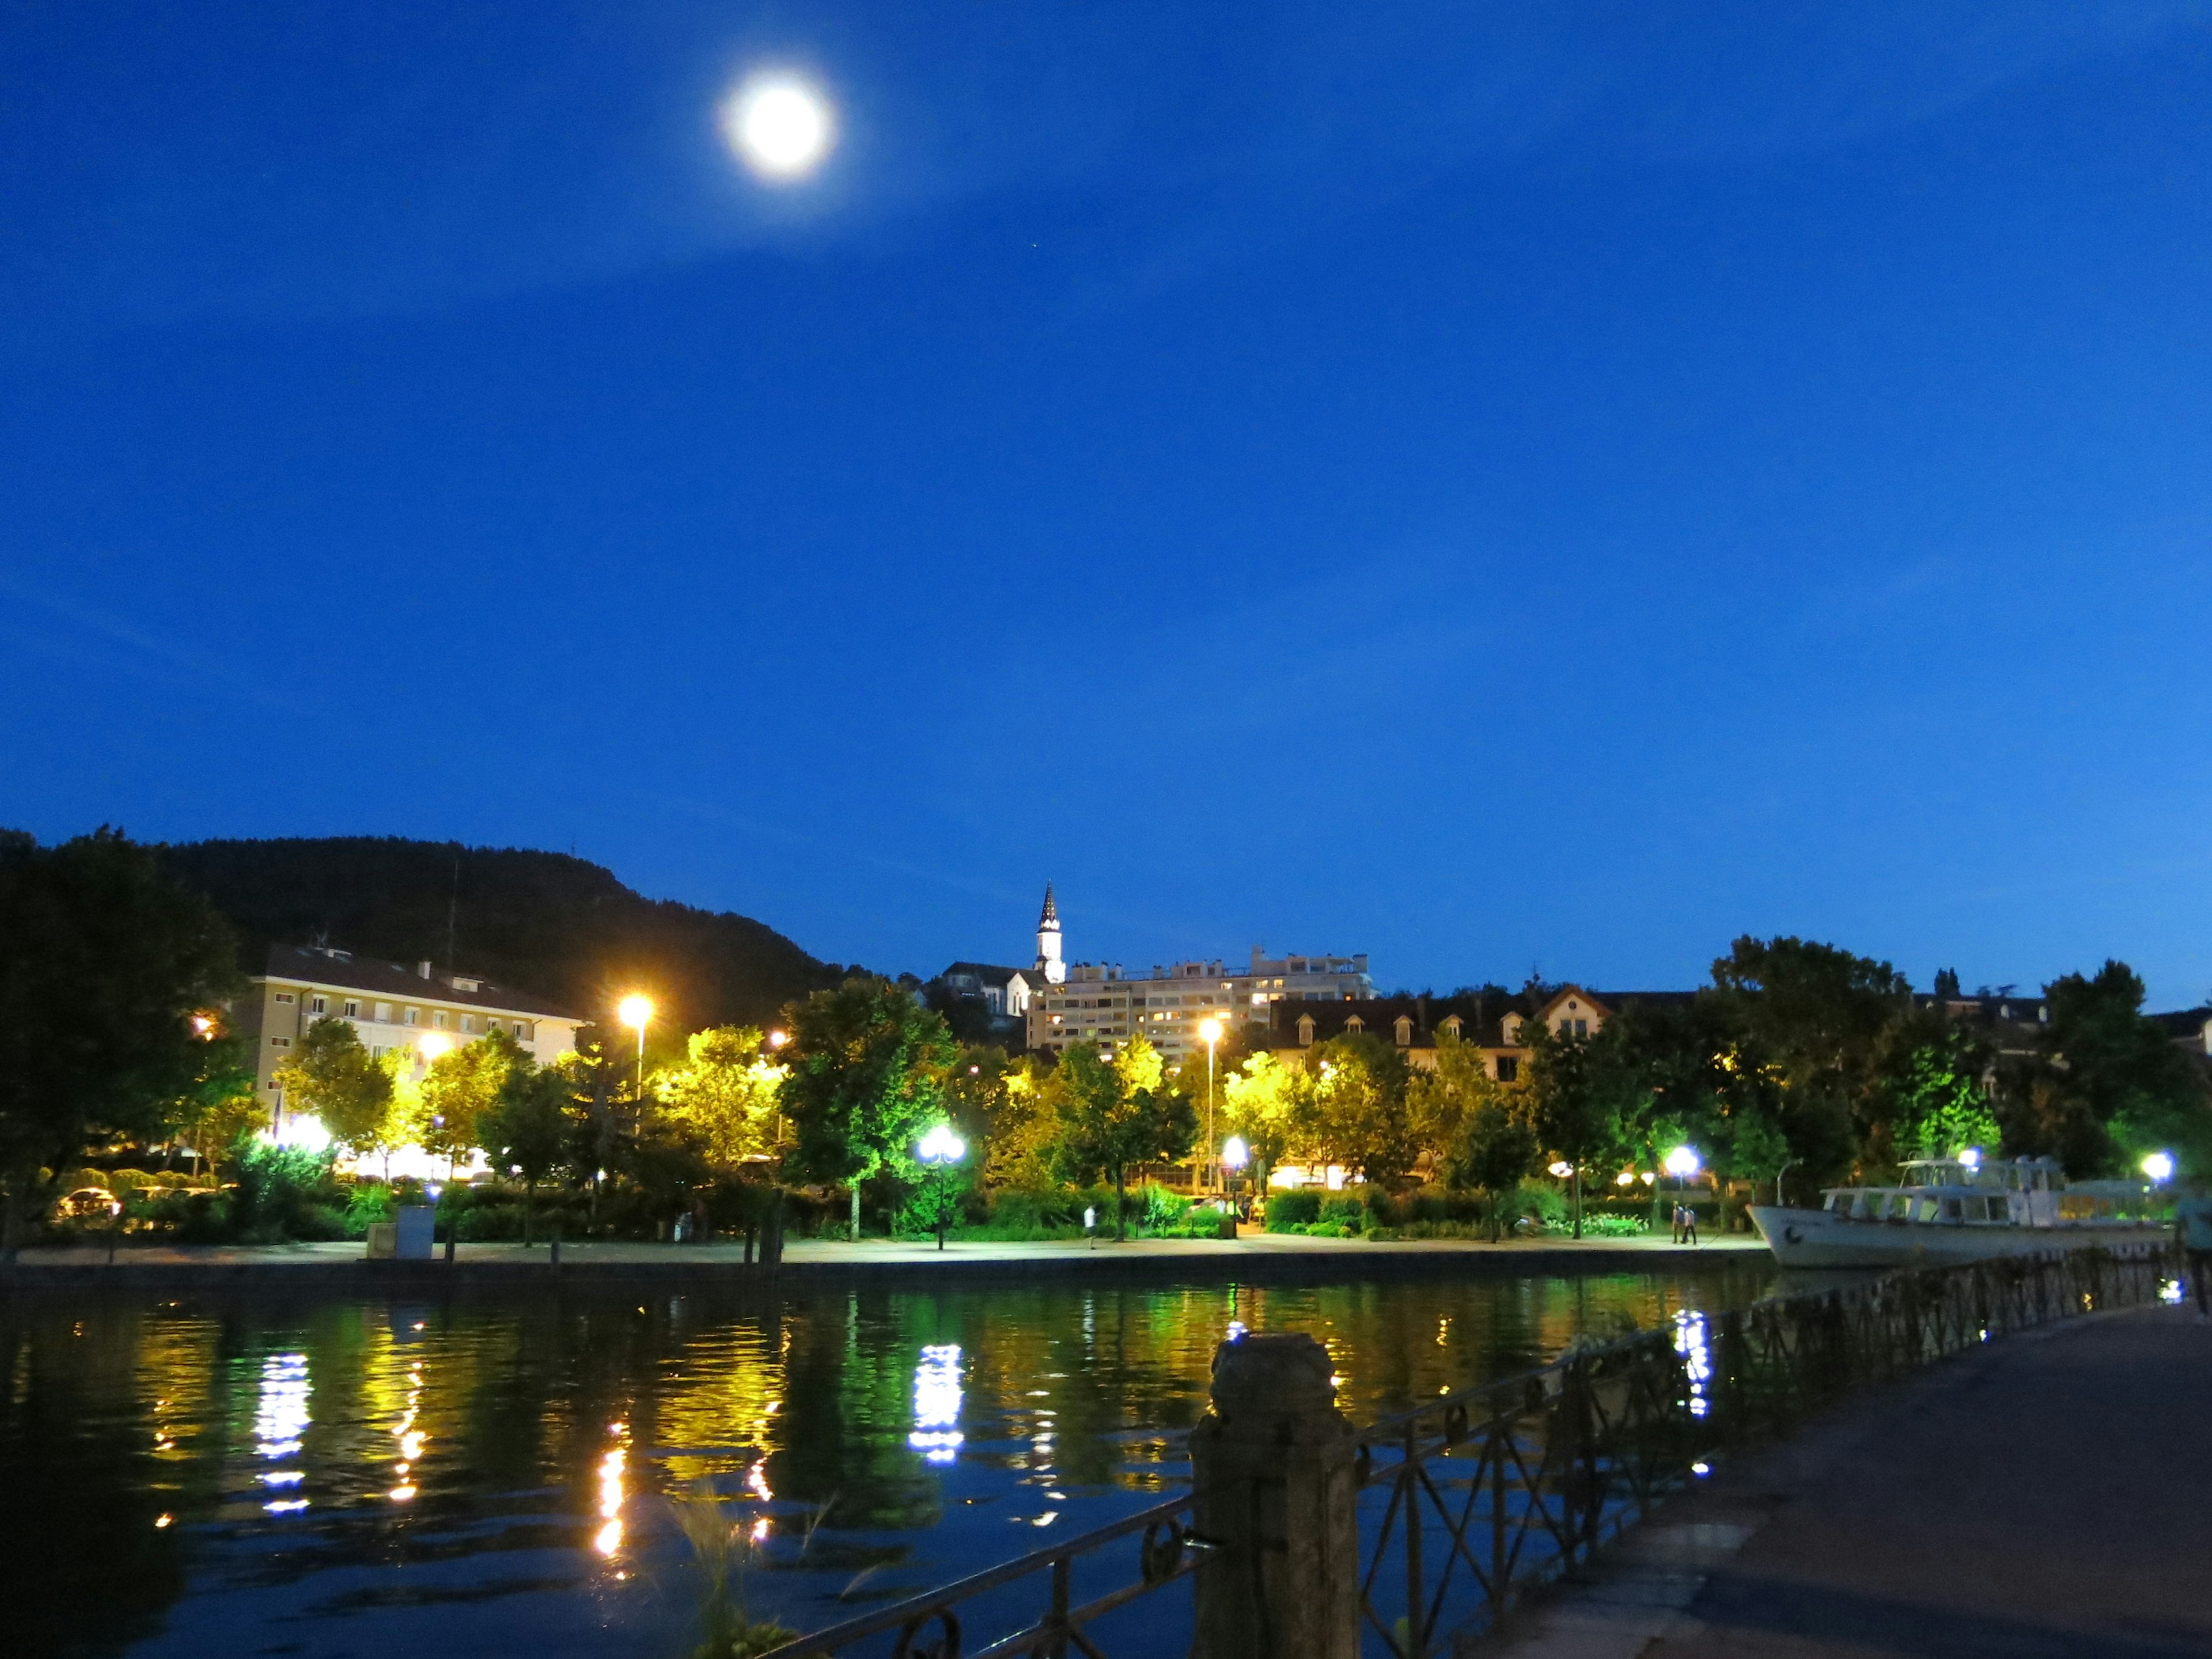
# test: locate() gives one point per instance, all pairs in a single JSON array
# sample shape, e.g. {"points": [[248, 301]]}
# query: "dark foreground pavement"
{"points": [[2049, 1495]]}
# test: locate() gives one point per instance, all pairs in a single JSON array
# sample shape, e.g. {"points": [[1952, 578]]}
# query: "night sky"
{"points": [[1493, 486]]}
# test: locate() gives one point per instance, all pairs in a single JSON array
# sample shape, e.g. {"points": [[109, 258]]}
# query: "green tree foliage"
{"points": [[330, 1075], [1820, 1016], [1566, 1106], [1004, 1101], [2116, 1086], [1358, 1106], [1115, 1113], [726, 1095], [529, 1127], [104, 962], [459, 1088], [1930, 1101], [868, 1075], [1270, 1104], [1496, 1149]]}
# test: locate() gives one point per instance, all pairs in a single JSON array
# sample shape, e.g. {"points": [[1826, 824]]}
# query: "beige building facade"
{"points": [[389, 1004]]}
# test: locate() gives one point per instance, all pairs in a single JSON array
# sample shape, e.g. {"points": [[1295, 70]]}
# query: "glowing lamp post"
{"points": [[1235, 1155], [1682, 1164], [938, 1150], [636, 1011], [2159, 1166], [1563, 1170], [1209, 1032]]}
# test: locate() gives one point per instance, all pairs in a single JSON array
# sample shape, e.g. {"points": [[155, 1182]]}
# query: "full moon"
{"points": [[780, 127]]}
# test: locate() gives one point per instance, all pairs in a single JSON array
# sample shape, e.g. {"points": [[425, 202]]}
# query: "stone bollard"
{"points": [[1272, 1465]]}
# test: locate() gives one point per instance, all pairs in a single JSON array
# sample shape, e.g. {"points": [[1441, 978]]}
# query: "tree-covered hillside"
{"points": [[545, 922]]}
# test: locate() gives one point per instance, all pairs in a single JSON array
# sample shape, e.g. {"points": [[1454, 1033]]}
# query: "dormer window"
{"points": [[1404, 1031], [1355, 1023], [1305, 1030], [1451, 1023]]}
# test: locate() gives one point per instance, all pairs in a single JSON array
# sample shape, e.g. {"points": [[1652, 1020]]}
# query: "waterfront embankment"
{"points": [[2042, 1495], [1256, 1258]]}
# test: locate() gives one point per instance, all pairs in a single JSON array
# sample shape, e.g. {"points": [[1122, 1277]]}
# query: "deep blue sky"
{"points": [[1491, 486]]}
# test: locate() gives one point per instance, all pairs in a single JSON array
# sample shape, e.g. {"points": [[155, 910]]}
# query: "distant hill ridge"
{"points": [[545, 922]]}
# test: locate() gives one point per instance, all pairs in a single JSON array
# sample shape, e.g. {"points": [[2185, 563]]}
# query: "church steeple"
{"points": [[1048, 960]]}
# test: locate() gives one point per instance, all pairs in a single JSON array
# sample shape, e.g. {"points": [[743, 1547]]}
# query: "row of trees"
{"points": [[1798, 1056]]}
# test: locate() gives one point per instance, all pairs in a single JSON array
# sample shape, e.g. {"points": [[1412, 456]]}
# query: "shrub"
{"points": [[1288, 1212], [284, 1193], [1160, 1211], [1344, 1210]]}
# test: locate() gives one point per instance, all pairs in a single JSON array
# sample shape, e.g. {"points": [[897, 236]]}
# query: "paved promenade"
{"points": [[2050, 1495], [1254, 1255]]}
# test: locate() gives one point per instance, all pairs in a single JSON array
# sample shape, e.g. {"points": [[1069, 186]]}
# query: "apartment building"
{"points": [[389, 1004], [1106, 1004]]}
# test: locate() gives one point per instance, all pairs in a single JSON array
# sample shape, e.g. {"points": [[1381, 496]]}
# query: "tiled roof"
{"points": [[342, 970]]}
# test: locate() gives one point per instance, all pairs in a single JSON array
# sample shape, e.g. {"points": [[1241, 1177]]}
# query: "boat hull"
{"points": [[1819, 1238]]}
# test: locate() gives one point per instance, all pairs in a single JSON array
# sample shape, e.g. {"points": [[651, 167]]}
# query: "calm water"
{"points": [[493, 1475]]}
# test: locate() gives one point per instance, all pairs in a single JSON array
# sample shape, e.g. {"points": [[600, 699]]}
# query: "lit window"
{"points": [[286, 996], [280, 1043]]}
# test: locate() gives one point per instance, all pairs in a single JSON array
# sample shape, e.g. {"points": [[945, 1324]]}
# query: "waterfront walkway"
{"points": [[2049, 1495], [1255, 1254]]}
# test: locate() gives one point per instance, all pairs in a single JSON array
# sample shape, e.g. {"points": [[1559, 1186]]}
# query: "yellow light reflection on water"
{"points": [[609, 1537]]}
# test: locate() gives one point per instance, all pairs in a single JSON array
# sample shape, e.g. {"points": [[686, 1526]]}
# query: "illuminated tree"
{"points": [[331, 1076], [459, 1088], [1115, 1113], [868, 1071], [1358, 1106], [1270, 1105], [529, 1127], [726, 1095]]}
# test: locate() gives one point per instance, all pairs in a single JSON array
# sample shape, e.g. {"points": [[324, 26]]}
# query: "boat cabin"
{"points": [[1974, 1192]]}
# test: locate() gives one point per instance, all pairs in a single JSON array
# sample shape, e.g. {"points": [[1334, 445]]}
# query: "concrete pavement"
{"points": [[1256, 1255], [2049, 1495]]}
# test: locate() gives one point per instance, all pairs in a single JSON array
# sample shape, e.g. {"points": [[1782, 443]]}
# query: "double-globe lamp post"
{"points": [[938, 1150], [1682, 1164]]}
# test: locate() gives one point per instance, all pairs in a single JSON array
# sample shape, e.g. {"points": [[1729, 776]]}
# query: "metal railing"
{"points": [[929, 1627], [1476, 1498], [1469, 1502]]}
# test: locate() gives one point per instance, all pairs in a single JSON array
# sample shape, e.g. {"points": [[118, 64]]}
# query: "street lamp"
{"points": [[1681, 1164], [1235, 1155], [940, 1149], [637, 1012], [2159, 1166], [1209, 1030], [1560, 1171]]}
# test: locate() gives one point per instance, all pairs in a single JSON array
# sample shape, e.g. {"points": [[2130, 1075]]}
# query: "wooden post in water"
{"points": [[1274, 1468]]}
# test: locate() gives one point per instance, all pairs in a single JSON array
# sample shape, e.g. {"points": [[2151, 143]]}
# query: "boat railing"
{"points": [[1471, 1501]]}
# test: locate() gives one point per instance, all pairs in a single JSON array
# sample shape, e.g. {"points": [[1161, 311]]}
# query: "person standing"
{"points": [[2192, 1231], [1090, 1226], [1689, 1222]]}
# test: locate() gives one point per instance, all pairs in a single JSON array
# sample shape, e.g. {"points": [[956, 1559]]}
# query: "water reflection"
{"points": [[937, 1403], [491, 1476]]}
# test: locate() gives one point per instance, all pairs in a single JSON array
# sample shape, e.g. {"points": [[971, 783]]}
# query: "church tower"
{"points": [[1047, 961]]}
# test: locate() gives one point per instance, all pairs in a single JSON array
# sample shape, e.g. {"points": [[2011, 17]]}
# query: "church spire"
{"points": [[1048, 960]]}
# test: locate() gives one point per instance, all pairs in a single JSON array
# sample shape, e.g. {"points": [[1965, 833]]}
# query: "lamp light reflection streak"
{"points": [[279, 1421], [609, 1537], [409, 1438], [1692, 1340], [937, 1403]]}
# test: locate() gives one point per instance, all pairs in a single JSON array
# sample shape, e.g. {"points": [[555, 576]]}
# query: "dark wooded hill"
{"points": [[539, 921]]}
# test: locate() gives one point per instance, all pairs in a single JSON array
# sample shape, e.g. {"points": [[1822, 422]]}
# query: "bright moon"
{"points": [[780, 127]]}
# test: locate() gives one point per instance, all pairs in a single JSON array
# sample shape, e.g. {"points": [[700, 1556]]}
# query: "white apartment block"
{"points": [[1106, 1004], [389, 1004]]}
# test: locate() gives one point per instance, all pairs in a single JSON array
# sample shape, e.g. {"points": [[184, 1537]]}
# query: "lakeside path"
{"points": [[1255, 1257], [2050, 1495]]}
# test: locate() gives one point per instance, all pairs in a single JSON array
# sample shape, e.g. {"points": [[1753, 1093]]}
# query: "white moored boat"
{"points": [[1956, 1209]]}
